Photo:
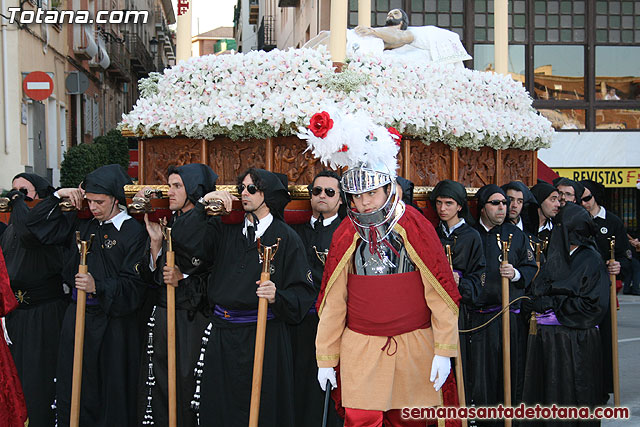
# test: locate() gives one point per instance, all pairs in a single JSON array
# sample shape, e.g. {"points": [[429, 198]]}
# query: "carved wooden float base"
{"points": [[423, 164]]}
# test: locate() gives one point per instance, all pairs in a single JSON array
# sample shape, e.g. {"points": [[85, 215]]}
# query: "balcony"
{"points": [[288, 3], [120, 62], [84, 44], [141, 59], [254, 11], [266, 34]]}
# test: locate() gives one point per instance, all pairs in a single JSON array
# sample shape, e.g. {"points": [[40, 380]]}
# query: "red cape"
{"points": [[12, 406], [421, 239]]}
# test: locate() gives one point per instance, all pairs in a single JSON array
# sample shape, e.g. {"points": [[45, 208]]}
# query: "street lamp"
{"points": [[153, 45]]}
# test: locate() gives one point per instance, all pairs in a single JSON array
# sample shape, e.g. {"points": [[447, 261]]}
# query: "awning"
{"points": [[545, 173]]}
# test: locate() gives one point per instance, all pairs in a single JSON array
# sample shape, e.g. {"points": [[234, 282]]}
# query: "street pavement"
{"points": [[629, 357]]}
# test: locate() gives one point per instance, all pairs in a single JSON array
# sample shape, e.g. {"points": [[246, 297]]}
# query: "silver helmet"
{"points": [[361, 179]]}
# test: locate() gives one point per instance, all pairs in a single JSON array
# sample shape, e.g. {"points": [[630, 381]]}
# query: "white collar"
{"points": [[119, 219], [548, 225], [487, 229], [449, 231], [325, 221], [520, 225], [573, 250], [263, 224], [602, 213]]}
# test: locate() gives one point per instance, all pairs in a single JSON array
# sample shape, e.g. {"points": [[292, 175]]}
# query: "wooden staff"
{"points": [[171, 333], [78, 347], [459, 374], [506, 335], [614, 327], [266, 254]]}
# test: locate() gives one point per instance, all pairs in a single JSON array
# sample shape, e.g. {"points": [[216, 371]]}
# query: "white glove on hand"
{"points": [[440, 368], [325, 374]]}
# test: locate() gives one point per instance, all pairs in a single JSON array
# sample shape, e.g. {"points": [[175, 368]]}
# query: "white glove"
{"points": [[440, 368], [325, 374]]}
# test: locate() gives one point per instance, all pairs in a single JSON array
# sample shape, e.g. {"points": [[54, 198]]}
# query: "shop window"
{"points": [[565, 119], [483, 59], [618, 119], [558, 72], [618, 73]]}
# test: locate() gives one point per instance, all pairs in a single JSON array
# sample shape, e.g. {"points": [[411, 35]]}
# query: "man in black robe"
{"points": [[570, 298], [233, 290], [187, 184], [114, 293], [35, 271], [608, 226], [568, 190], [449, 200], [326, 203], [540, 221], [486, 343]]}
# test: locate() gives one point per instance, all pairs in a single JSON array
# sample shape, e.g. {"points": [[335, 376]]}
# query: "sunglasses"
{"points": [[497, 202], [330, 192], [587, 198], [251, 188]]}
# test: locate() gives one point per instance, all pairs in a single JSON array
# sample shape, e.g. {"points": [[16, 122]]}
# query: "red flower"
{"points": [[343, 149], [320, 124], [395, 135]]}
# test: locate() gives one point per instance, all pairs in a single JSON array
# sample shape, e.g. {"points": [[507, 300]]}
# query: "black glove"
{"points": [[542, 304], [15, 195], [527, 305]]}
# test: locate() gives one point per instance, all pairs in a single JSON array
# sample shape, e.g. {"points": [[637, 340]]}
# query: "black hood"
{"points": [[526, 193], [274, 187], [198, 179], [43, 187], [487, 191], [456, 191], [597, 190], [577, 187], [110, 180], [541, 191]]}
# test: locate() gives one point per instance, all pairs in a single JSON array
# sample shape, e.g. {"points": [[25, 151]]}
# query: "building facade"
{"points": [[94, 67]]}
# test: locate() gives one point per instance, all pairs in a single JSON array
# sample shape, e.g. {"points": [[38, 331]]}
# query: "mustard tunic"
{"points": [[376, 379]]}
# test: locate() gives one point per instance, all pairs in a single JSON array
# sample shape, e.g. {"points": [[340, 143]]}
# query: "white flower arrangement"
{"points": [[261, 94]]}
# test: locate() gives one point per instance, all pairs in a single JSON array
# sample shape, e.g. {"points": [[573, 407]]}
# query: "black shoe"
{"points": [[627, 289]]}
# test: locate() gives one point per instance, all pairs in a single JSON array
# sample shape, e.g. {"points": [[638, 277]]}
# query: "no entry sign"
{"points": [[37, 85]]}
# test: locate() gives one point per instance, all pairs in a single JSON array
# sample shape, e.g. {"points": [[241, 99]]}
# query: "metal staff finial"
{"points": [[84, 247], [322, 255], [267, 253]]}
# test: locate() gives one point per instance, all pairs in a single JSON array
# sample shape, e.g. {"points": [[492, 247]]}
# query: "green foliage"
{"points": [[84, 158]]}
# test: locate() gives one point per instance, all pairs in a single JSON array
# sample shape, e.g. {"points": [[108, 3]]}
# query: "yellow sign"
{"points": [[609, 177]]}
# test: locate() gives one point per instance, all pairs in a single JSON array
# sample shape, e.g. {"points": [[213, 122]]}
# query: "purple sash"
{"points": [[91, 299], [239, 316], [548, 318], [495, 309]]}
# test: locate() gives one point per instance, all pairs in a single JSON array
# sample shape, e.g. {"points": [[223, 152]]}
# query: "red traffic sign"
{"points": [[37, 85]]}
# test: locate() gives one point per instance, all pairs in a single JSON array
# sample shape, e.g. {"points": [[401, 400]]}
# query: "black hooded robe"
{"points": [[309, 397], [485, 344], [35, 271], [186, 235], [228, 362], [562, 359], [611, 227], [111, 343]]}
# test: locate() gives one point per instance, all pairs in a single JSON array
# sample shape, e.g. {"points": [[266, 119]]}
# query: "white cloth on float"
{"points": [[430, 45]]}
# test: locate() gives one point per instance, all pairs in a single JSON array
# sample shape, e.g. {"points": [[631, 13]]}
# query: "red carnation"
{"points": [[343, 149], [395, 135], [320, 124]]}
